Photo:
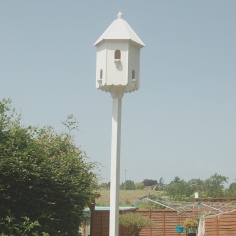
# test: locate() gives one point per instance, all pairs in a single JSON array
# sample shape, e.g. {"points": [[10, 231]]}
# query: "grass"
{"points": [[127, 197]]}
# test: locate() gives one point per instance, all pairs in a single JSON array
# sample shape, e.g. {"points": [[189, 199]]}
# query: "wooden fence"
{"points": [[100, 223], [165, 222]]}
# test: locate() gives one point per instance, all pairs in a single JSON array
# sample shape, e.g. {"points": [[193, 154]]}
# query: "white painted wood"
{"points": [[119, 36], [117, 75], [115, 163], [120, 29]]}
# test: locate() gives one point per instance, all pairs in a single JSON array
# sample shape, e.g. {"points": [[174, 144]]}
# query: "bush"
{"points": [[134, 223], [21, 227], [43, 176], [190, 223]]}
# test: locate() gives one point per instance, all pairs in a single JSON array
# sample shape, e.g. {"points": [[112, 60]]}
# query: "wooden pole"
{"points": [[115, 164]]}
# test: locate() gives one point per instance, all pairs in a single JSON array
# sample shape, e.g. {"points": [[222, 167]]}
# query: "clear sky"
{"points": [[182, 120]]}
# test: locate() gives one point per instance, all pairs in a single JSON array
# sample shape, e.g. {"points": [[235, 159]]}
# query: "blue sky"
{"points": [[181, 122]]}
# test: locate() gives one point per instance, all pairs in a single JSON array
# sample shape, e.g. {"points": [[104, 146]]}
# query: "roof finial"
{"points": [[120, 15]]}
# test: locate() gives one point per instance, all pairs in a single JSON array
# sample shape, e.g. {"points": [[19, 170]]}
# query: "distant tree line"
{"points": [[179, 189]]}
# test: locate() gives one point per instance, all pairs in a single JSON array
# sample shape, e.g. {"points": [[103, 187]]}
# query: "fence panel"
{"points": [[165, 222]]}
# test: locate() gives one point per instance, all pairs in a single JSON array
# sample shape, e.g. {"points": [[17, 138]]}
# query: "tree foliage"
{"points": [[129, 185], [43, 175], [176, 180], [161, 183], [149, 182], [197, 185], [214, 186], [231, 191], [139, 185], [134, 223], [23, 228], [179, 190]]}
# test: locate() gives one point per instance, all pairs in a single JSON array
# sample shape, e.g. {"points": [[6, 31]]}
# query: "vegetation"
{"points": [[127, 185], [214, 186], [177, 190], [45, 181], [149, 182], [127, 197], [134, 223], [22, 228], [231, 191], [190, 223], [139, 186]]}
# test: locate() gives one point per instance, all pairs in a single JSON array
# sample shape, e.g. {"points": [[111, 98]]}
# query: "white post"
{"points": [[115, 163]]}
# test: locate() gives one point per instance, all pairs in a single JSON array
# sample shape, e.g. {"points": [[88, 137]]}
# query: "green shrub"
{"points": [[23, 227], [44, 175], [134, 223]]}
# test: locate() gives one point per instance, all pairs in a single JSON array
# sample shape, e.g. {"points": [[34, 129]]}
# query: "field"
{"points": [[127, 197]]}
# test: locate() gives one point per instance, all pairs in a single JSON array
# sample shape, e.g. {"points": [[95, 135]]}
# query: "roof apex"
{"points": [[119, 29]]}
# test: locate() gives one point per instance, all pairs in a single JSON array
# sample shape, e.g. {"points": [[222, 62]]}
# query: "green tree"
{"points": [[197, 185], [231, 191], [129, 185], [161, 183], [214, 186], [176, 180], [149, 182], [44, 176], [139, 185], [179, 190]]}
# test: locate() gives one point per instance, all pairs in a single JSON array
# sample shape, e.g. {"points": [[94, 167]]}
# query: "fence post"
{"points": [[164, 221]]}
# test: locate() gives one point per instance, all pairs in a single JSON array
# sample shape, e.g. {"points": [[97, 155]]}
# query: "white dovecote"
{"points": [[118, 58], [117, 72]]}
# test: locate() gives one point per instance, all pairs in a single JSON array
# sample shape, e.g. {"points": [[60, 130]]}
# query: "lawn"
{"points": [[127, 197]]}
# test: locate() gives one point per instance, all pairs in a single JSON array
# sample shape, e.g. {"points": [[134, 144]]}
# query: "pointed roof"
{"points": [[119, 29]]}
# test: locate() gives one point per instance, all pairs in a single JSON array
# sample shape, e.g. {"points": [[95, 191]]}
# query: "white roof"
{"points": [[119, 29]]}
